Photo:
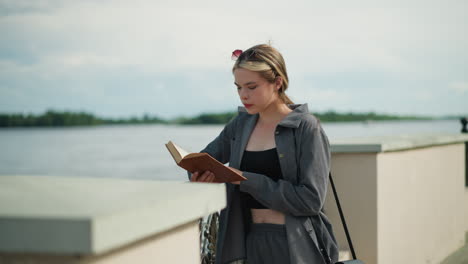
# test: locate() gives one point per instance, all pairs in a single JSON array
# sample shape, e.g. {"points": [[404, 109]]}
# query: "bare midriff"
{"points": [[262, 216]]}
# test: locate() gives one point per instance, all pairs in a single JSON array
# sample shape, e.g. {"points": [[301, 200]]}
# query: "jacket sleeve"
{"points": [[307, 197], [220, 147]]}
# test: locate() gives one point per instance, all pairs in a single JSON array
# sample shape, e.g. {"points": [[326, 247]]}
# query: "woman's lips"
{"points": [[248, 105]]}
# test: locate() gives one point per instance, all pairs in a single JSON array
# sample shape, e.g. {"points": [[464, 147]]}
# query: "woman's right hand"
{"points": [[207, 176]]}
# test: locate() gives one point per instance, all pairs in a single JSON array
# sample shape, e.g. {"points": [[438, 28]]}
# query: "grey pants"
{"points": [[267, 243]]}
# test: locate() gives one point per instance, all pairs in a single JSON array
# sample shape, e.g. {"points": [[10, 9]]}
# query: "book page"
{"points": [[181, 151]]}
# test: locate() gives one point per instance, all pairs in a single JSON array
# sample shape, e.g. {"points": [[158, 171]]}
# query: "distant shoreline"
{"points": [[61, 119]]}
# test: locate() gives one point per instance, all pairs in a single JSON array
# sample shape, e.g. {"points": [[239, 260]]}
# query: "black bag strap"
{"points": [[348, 237], [343, 221]]}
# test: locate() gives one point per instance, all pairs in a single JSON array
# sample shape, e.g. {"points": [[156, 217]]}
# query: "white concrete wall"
{"points": [[355, 179], [406, 206], [178, 245], [466, 215], [466, 198], [421, 214], [66, 220]]}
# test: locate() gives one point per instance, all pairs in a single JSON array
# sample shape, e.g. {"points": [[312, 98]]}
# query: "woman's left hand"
{"points": [[238, 171]]}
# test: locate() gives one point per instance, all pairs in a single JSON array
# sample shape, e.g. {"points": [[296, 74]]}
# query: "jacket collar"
{"points": [[293, 119]]}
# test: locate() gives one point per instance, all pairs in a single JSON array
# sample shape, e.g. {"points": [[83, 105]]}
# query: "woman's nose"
{"points": [[243, 94]]}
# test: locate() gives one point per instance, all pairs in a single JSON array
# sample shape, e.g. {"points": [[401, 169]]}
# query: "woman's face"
{"points": [[256, 93]]}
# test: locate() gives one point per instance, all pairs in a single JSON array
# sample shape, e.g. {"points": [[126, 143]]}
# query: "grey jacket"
{"points": [[303, 151]]}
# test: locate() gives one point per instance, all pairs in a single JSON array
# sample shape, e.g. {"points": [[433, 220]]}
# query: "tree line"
{"points": [[53, 118]]}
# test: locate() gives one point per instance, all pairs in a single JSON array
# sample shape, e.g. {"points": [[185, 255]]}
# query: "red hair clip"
{"points": [[235, 54]]}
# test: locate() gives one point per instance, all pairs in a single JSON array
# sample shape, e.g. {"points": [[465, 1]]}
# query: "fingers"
{"points": [[211, 177], [194, 176], [207, 176]]}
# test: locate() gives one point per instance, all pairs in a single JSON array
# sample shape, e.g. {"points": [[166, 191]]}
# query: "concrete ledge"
{"points": [[65, 215], [460, 256], [161, 248], [394, 143]]}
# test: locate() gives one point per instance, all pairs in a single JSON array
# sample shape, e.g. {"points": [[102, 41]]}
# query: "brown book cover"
{"points": [[202, 162]]}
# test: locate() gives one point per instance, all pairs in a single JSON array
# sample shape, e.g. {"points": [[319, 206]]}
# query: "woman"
{"points": [[275, 216]]}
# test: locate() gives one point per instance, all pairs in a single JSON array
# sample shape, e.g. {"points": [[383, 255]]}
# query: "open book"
{"points": [[201, 162]]}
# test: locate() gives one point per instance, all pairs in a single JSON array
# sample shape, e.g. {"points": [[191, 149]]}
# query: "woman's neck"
{"points": [[274, 113]]}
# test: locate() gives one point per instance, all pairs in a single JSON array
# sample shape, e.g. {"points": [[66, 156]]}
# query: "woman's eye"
{"points": [[250, 88]]}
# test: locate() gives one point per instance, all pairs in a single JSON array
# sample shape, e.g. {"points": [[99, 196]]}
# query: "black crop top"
{"points": [[264, 162]]}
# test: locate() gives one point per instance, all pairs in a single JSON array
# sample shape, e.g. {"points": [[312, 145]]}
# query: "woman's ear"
{"points": [[278, 82]]}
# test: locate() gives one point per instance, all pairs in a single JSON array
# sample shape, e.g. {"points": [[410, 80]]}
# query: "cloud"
{"points": [[20, 7], [459, 87], [87, 48], [161, 36]]}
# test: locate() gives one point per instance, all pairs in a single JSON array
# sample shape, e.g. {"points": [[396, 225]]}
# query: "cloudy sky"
{"points": [[172, 58]]}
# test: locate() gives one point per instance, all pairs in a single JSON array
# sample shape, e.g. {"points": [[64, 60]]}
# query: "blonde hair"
{"points": [[267, 61]]}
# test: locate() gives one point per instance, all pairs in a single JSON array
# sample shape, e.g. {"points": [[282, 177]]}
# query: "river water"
{"points": [[138, 151]]}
